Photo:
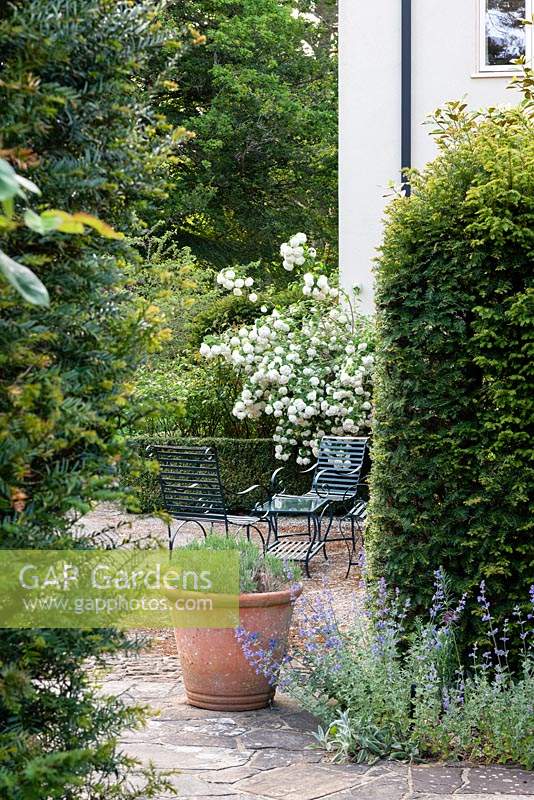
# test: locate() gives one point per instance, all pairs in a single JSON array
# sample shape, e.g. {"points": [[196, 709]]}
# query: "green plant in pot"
{"points": [[217, 675]]}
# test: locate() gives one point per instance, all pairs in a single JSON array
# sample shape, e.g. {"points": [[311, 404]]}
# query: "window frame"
{"points": [[500, 70]]}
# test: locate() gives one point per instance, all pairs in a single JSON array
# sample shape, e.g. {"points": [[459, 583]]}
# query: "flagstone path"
{"points": [[270, 755]]}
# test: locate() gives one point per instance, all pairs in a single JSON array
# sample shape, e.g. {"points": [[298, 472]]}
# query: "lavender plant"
{"points": [[380, 693]]}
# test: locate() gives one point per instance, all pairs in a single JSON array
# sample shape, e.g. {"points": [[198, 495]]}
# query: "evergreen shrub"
{"points": [[453, 463], [76, 120]]}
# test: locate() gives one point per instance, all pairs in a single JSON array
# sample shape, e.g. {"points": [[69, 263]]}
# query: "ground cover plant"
{"points": [[307, 366], [452, 474], [382, 692], [78, 123]]}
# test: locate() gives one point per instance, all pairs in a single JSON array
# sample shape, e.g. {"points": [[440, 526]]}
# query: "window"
{"points": [[503, 35]]}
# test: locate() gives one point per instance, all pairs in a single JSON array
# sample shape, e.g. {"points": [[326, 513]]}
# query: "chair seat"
{"points": [[232, 519], [334, 496], [359, 511], [294, 549], [237, 520]]}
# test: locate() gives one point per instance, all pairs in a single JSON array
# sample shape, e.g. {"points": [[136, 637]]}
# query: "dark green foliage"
{"points": [[243, 463], [452, 458], [224, 312], [73, 119], [194, 398], [263, 163]]}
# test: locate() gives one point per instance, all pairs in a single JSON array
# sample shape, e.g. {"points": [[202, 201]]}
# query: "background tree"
{"points": [[260, 96], [75, 119]]}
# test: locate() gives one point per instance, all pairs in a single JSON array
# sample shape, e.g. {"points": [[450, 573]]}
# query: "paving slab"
{"points": [[390, 787], [171, 757], [466, 797], [301, 782], [282, 739], [230, 775], [436, 780], [503, 780]]}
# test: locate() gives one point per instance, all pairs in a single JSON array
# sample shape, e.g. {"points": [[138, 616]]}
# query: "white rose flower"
{"points": [[312, 252], [249, 282], [230, 274], [240, 283], [253, 297], [238, 292], [288, 265], [362, 346], [298, 239]]}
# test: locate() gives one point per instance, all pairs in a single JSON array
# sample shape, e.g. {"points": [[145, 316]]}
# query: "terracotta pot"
{"points": [[217, 675]]}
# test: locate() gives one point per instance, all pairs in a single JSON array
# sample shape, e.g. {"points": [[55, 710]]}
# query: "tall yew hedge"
{"points": [[79, 122], [453, 460]]}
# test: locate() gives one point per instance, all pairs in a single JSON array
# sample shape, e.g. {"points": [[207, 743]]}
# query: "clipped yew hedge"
{"points": [[243, 463], [453, 458]]}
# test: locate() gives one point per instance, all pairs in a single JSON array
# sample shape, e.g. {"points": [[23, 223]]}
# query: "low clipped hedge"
{"points": [[243, 463]]}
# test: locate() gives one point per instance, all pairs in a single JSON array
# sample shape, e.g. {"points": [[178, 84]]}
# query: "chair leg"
{"points": [[171, 540], [260, 534]]}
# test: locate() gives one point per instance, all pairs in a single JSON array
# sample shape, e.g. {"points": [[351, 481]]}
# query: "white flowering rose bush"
{"points": [[308, 366]]}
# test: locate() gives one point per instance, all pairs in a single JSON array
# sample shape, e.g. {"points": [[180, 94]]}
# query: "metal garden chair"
{"points": [[337, 479], [192, 491], [337, 472]]}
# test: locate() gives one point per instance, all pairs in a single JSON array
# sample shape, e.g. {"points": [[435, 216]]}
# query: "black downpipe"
{"points": [[406, 95]]}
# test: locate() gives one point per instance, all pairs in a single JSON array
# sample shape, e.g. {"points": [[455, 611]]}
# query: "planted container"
{"points": [[217, 673]]}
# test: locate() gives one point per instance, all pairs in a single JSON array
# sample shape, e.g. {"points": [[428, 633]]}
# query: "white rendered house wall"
{"points": [[445, 66]]}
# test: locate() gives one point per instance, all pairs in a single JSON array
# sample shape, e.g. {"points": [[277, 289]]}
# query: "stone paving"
{"points": [[271, 754]]}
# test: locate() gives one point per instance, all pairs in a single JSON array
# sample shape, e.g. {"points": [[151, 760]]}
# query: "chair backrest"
{"points": [[190, 481], [340, 465]]}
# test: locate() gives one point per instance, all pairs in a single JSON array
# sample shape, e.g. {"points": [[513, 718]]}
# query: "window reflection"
{"points": [[505, 33]]}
